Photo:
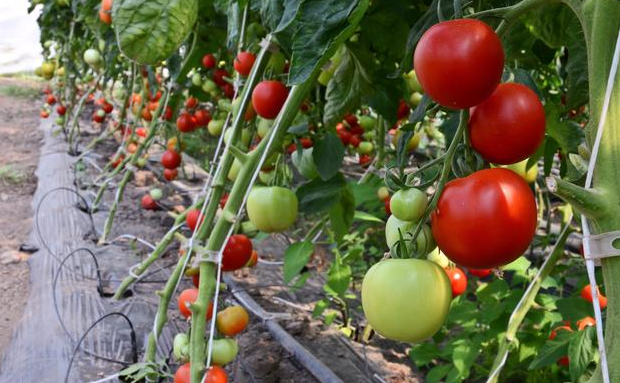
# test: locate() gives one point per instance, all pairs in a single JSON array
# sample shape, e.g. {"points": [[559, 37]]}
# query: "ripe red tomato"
{"points": [[356, 129], [51, 99], [229, 90], [223, 200], [355, 140], [208, 61], [203, 117], [292, 148], [481, 273], [141, 132], [185, 123], [386, 205], [191, 102], [216, 374], [183, 374], [218, 76], [148, 203], [268, 98], [458, 280], [107, 108], [508, 126], [98, 118], [586, 293], [156, 96], [167, 114], [232, 320], [237, 252], [306, 142], [61, 110], [459, 63], [187, 297], [586, 322], [244, 62], [554, 332], [192, 219], [146, 114], [171, 159], [170, 174], [365, 159], [403, 110], [345, 136], [485, 220], [350, 119]]}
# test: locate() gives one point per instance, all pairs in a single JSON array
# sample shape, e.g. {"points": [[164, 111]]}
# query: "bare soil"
{"points": [[19, 155]]}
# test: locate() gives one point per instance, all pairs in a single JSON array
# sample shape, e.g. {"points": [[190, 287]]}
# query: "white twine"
{"points": [[584, 223]]}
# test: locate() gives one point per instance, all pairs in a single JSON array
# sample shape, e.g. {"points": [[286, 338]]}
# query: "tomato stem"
{"points": [[589, 202]]}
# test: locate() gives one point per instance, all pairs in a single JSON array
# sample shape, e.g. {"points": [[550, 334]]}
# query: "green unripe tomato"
{"points": [[48, 68], [48, 44], [100, 113], [272, 209], [366, 122], [119, 92], [439, 258], [529, 175], [409, 204], [406, 299], [101, 45], [365, 147], [234, 170], [38, 71], [156, 194], [424, 244], [224, 351], [60, 120], [412, 82], [415, 99], [277, 62], [60, 72], [246, 136], [265, 177], [248, 229], [370, 135], [383, 193], [215, 127], [141, 162], [92, 57], [180, 347], [304, 163], [197, 79], [413, 143], [263, 127], [209, 86]]}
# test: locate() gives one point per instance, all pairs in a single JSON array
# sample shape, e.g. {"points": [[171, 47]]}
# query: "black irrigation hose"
{"points": [[134, 344]]}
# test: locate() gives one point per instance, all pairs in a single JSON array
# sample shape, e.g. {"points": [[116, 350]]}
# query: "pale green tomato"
{"points": [[224, 351], [197, 79], [246, 136], [209, 86], [234, 170], [406, 299], [272, 209], [263, 127], [215, 127], [412, 82], [180, 347], [92, 57], [415, 99], [266, 177], [365, 147], [529, 175], [366, 122], [425, 242], [383, 193], [408, 204], [156, 194]]}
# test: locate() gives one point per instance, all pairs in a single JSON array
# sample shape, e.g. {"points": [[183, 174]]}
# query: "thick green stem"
{"points": [[76, 115], [507, 342], [589, 202], [381, 143]]}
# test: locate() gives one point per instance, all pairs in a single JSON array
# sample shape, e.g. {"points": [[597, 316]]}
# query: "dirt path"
{"points": [[19, 154]]}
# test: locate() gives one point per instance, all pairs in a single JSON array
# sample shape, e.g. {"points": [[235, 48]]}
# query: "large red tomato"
{"points": [[459, 62], [485, 220], [268, 98], [243, 63], [237, 252], [509, 126], [170, 159]]}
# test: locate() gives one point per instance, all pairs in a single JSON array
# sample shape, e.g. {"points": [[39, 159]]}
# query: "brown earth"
{"points": [[19, 154]]}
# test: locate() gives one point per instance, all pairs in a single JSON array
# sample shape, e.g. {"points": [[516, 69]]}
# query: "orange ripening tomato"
{"points": [[232, 320], [586, 322], [186, 298]]}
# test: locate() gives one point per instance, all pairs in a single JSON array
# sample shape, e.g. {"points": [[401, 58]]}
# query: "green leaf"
{"points": [[338, 278], [519, 265], [295, 258], [573, 308], [328, 154], [363, 216], [341, 215], [233, 22], [423, 353], [568, 134], [150, 31], [315, 42], [344, 90], [552, 350], [318, 195], [581, 352], [463, 356], [319, 307], [437, 373]]}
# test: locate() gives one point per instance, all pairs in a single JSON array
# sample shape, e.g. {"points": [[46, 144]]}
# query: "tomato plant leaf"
{"points": [[318, 195], [464, 354], [295, 259], [423, 353], [568, 134], [328, 154], [363, 216], [341, 214], [143, 27], [338, 278], [581, 352], [437, 373], [552, 350], [314, 43], [233, 15], [573, 308]]}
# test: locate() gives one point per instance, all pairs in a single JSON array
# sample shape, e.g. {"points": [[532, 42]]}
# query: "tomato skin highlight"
{"points": [[509, 126], [268, 98], [396, 291], [458, 280], [459, 63], [237, 252], [485, 220]]}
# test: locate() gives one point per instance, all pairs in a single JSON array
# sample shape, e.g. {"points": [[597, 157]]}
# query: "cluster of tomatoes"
{"points": [[104, 108], [357, 132], [193, 117], [50, 100], [216, 79], [482, 221]]}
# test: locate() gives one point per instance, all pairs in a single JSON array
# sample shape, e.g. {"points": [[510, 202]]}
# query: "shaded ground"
{"points": [[19, 153]]}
